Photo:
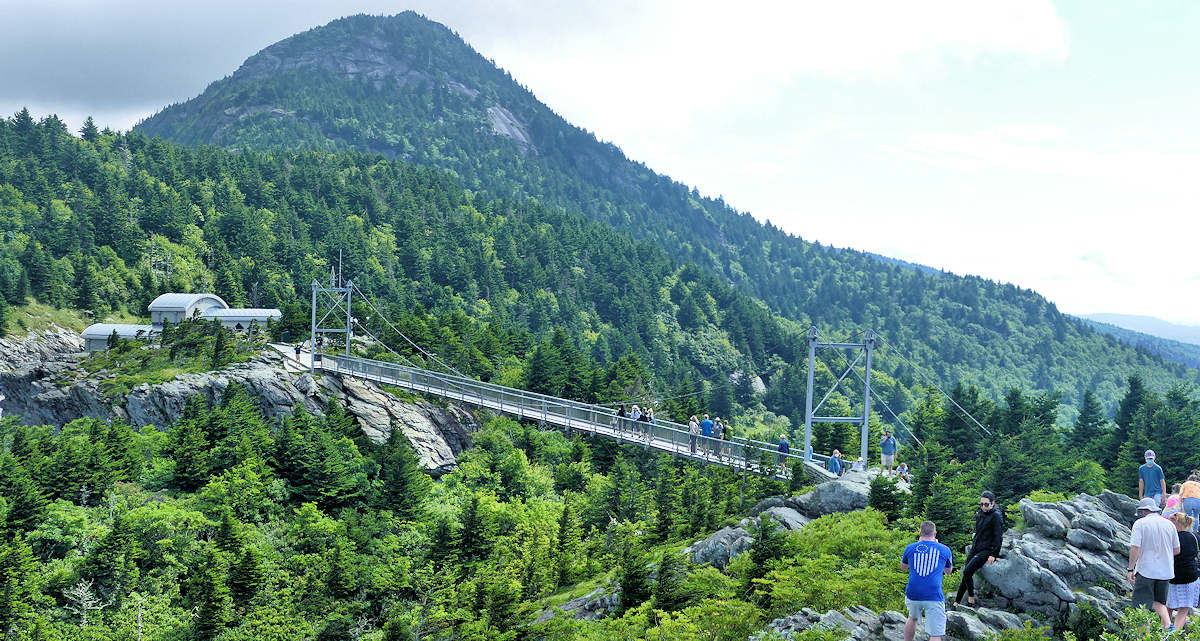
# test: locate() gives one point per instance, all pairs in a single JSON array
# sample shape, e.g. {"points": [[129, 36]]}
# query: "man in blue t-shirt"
{"points": [[1152, 482], [926, 562], [887, 453], [706, 430]]}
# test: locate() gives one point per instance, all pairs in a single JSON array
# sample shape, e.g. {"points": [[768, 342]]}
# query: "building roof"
{"points": [[124, 330], [244, 313], [176, 302]]}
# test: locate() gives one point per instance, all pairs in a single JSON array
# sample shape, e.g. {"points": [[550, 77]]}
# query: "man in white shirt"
{"points": [[1153, 545]]}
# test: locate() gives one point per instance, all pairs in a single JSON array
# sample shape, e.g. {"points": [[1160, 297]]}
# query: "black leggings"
{"points": [[968, 577]]}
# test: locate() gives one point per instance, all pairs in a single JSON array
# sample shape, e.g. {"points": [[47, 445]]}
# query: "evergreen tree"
{"points": [[189, 449], [25, 501], [89, 132], [112, 565], [767, 548], [210, 594], [669, 591], [1089, 434], [885, 496], [17, 591], [403, 486], [632, 571], [951, 505], [567, 543], [247, 577]]}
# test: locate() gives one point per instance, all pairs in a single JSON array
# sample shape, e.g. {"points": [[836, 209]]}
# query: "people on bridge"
{"points": [[648, 419], [718, 432], [1153, 544], [618, 422], [985, 545], [706, 431], [726, 440], [887, 452], [926, 562], [782, 457], [693, 433], [1152, 481], [1183, 591]]}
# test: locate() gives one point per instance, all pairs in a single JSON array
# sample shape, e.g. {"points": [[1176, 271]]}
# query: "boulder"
{"points": [[842, 495], [720, 548], [863, 624], [1066, 552], [589, 607]]}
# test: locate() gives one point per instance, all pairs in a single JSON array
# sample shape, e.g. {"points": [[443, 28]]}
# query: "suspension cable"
{"points": [[936, 386]]}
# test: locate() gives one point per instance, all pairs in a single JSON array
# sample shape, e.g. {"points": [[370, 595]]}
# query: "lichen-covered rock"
{"points": [[863, 624], [842, 495], [589, 607]]}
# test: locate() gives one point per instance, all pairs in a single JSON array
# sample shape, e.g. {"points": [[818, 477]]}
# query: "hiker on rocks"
{"points": [[926, 562], [1183, 591], [1189, 492], [985, 545], [706, 430], [784, 449], [297, 351], [1152, 481], [1153, 544], [903, 472], [859, 465], [693, 433], [835, 463], [887, 452]]}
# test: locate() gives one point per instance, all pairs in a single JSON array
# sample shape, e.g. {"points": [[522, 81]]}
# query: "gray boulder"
{"points": [[1066, 552], [720, 548], [842, 495], [863, 624], [591, 606]]}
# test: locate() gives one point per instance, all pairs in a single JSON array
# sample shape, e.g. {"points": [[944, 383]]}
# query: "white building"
{"points": [[95, 337], [240, 319], [174, 307]]}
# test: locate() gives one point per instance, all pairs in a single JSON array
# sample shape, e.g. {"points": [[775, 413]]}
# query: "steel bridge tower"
{"points": [[865, 348]]}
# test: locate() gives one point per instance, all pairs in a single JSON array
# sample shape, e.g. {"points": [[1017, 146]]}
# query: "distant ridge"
{"points": [[1150, 325], [1171, 350]]}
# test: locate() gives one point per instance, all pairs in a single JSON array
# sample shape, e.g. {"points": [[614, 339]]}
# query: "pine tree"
{"points": [[112, 565], [951, 505], [669, 592], [188, 448], [17, 592], [632, 573], [568, 540], [247, 577], [220, 348], [89, 132], [666, 502], [26, 504], [885, 496], [767, 548], [403, 486], [210, 594]]}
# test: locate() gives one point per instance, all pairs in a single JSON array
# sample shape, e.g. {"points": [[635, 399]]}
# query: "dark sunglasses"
{"points": [[984, 504]]}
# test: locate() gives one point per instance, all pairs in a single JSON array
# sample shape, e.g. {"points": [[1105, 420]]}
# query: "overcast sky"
{"points": [[1052, 145]]}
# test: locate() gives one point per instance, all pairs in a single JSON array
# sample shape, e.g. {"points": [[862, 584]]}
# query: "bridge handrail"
{"points": [[677, 432]]}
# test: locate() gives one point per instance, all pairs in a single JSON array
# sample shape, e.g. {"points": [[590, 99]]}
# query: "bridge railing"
{"points": [[662, 434]]}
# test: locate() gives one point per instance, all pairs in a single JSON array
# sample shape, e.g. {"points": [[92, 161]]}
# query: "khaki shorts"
{"points": [[887, 459]]}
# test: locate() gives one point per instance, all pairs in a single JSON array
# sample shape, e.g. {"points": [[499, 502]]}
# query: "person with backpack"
{"points": [[985, 545], [1183, 591]]}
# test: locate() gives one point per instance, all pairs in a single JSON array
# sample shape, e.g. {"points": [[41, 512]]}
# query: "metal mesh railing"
{"points": [[740, 453]]}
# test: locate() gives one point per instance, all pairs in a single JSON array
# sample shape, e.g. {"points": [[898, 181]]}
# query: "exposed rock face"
{"points": [[1070, 553], [843, 495], [589, 607], [863, 624], [32, 369]]}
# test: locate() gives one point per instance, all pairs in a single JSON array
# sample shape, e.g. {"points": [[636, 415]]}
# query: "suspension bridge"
{"points": [[333, 318]]}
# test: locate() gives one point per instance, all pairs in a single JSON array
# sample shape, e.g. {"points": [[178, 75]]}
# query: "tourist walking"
{"points": [[926, 562], [1183, 591], [1190, 493], [693, 433], [1152, 481], [985, 545], [1153, 544], [718, 433], [648, 419], [887, 452]]}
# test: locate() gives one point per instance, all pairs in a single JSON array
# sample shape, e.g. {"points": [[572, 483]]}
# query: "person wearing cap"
{"points": [[1153, 544], [1152, 481], [887, 453]]}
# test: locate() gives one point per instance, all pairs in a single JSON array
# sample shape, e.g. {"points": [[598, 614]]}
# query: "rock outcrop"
{"points": [[1069, 553], [589, 607], [842, 495], [44, 386], [863, 624]]}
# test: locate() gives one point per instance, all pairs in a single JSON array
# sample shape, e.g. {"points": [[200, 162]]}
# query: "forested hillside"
{"points": [[409, 88], [1180, 352]]}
